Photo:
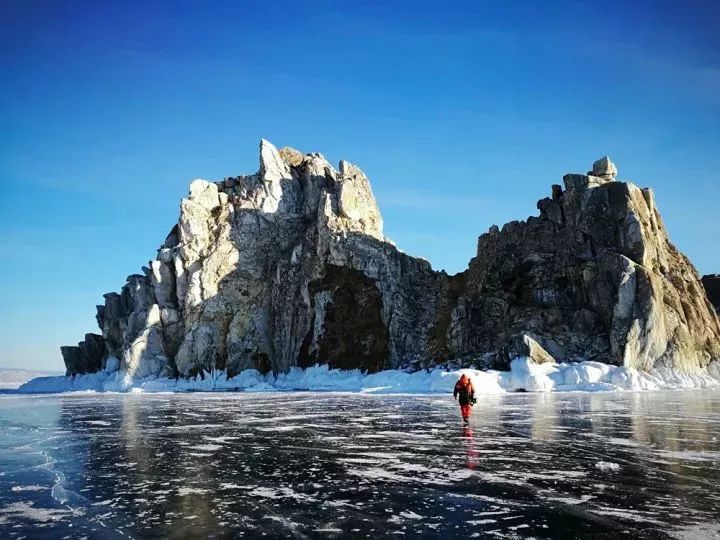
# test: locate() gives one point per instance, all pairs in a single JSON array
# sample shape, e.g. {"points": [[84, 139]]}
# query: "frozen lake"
{"points": [[314, 465]]}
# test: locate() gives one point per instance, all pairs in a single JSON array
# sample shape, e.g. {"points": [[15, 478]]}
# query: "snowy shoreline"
{"points": [[523, 376]]}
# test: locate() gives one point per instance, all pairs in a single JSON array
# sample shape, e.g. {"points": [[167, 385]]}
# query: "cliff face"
{"points": [[595, 277], [289, 267]]}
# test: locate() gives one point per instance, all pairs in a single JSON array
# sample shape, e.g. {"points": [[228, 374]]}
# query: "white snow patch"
{"points": [[191, 491], [280, 493], [410, 514], [281, 428], [206, 447], [29, 488], [220, 440], [607, 466], [572, 500], [482, 521], [25, 510], [630, 515]]}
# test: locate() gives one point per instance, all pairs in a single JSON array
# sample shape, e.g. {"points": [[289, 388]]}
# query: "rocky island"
{"points": [[289, 267]]}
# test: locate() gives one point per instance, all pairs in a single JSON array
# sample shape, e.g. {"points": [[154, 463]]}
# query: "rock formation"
{"points": [[594, 276], [290, 267], [712, 287]]}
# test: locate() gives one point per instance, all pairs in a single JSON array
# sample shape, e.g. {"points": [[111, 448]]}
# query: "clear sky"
{"points": [[461, 114]]}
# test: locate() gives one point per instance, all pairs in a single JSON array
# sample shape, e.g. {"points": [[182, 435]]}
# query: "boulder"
{"points": [[291, 156], [522, 345], [604, 168]]}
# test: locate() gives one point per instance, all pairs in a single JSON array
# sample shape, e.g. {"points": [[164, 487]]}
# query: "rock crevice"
{"points": [[711, 283]]}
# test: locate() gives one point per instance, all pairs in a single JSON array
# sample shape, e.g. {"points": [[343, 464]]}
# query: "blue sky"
{"points": [[461, 114]]}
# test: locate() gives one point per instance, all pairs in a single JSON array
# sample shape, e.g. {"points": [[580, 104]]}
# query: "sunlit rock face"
{"points": [[289, 267]]}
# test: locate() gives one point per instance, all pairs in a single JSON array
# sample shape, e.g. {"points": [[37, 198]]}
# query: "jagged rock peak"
{"points": [[604, 168], [272, 165]]}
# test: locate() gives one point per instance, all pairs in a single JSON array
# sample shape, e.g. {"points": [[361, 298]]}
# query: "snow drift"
{"points": [[524, 375]]}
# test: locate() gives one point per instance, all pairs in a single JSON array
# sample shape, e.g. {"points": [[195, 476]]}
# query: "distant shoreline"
{"points": [[13, 378]]}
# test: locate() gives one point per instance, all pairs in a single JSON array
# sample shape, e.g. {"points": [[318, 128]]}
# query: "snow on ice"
{"points": [[607, 466], [523, 375]]}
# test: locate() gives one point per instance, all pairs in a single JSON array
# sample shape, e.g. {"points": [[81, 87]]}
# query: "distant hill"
{"points": [[13, 377]]}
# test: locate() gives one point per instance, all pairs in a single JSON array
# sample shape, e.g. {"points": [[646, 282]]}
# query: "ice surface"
{"points": [[332, 465], [523, 375]]}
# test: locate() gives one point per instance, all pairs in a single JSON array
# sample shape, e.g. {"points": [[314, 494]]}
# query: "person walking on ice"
{"points": [[464, 389]]}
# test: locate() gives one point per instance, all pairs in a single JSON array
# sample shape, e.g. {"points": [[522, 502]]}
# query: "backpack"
{"points": [[464, 395]]}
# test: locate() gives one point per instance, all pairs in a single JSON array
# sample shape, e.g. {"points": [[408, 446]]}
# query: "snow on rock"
{"points": [[714, 369], [112, 365], [524, 375]]}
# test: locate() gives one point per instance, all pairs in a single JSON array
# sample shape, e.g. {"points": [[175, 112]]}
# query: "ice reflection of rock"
{"points": [[537, 418], [668, 435], [544, 410], [678, 423], [167, 454], [487, 411], [606, 415], [139, 458], [682, 433]]}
